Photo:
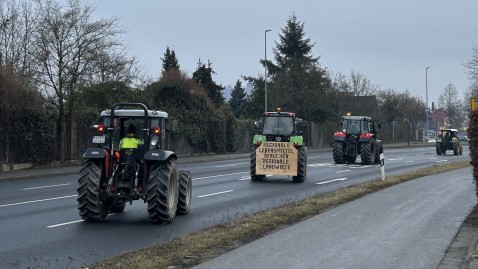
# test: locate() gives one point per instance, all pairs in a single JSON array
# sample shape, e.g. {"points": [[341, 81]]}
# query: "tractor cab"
{"points": [[278, 126]]}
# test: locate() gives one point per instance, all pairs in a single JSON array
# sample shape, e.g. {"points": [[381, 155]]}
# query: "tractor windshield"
{"points": [[354, 126], [278, 126]]}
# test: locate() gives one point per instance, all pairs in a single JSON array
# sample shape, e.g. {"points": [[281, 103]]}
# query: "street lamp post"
{"points": [[426, 97], [265, 68]]}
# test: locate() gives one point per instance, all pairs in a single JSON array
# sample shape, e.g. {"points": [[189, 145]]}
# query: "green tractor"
{"points": [[111, 176], [278, 149], [358, 136], [447, 139]]}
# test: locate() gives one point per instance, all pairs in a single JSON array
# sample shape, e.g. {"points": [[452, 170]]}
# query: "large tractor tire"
{"points": [[162, 192], [254, 176], [456, 149], [338, 152], [91, 205], [185, 192], [439, 149], [378, 152], [367, 152], [301, 165]]}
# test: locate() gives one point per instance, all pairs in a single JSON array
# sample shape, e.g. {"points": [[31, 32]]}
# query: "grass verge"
{"points": [[198, 247]]}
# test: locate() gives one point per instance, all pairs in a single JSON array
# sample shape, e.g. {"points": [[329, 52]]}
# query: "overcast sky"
{"points": [[390, 42]]}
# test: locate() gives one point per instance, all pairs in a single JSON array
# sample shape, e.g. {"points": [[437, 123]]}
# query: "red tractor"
{"points": [[358, 136]]}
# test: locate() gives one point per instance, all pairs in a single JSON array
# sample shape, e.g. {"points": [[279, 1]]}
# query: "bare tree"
{"points": [[19, 21], [361, 85], [66, 49], [471, 66], [450, 102]]}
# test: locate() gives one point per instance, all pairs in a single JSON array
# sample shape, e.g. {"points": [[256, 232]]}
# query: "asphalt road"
{"points": [[41, 227]]}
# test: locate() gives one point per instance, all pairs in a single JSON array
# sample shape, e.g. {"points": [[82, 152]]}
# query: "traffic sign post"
{"points": [[382, 165]]}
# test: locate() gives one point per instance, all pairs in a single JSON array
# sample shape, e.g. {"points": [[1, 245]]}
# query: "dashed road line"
{"points": [[42, 187], [330, 181], [216, 193], [37, 201]]}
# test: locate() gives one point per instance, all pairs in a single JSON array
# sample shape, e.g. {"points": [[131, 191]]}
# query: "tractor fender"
{"points": [[339, 138], [159, 155], [94, 153], [365, 140]]}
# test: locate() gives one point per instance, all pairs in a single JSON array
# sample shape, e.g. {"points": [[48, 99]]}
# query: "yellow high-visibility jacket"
{"points": [[130, 142]]}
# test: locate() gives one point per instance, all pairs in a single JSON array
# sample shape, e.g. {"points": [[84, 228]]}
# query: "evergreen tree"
{"points": [[170, 62], [294, 51], [203, 76], [298, 82], [238, 99]]}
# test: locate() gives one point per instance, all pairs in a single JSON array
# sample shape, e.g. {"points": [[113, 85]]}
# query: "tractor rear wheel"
{"points": [[254, 176], [301, 165], [185, 192], [162, 192], [367, 152], [91, 205], [456, 149], [338, 152]]}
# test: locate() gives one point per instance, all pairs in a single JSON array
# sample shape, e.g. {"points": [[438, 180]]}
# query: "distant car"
{"points": [[463, 137], [432, 139]]}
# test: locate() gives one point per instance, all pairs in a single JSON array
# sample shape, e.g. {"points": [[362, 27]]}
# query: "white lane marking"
{"points": [[49, 186], [72, 222], [226, 165], [319, 164], [409, 161], [36, 201], [244, 178], [396, 159], [333, 180], [441, 161], [224, 175], [216, 193], [65, 223], [343, 171], [314, 157]]}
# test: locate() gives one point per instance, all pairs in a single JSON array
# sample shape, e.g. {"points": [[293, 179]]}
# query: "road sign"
{"points": [[394, 122], [473, 103]]}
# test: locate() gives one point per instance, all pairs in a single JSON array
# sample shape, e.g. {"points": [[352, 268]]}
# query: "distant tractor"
{"points": [[358, 136], [447, 139], [278, 149], [112, 176]]}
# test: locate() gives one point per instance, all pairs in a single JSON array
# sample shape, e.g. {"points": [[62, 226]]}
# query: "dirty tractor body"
{"points": [[112, 176]]}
